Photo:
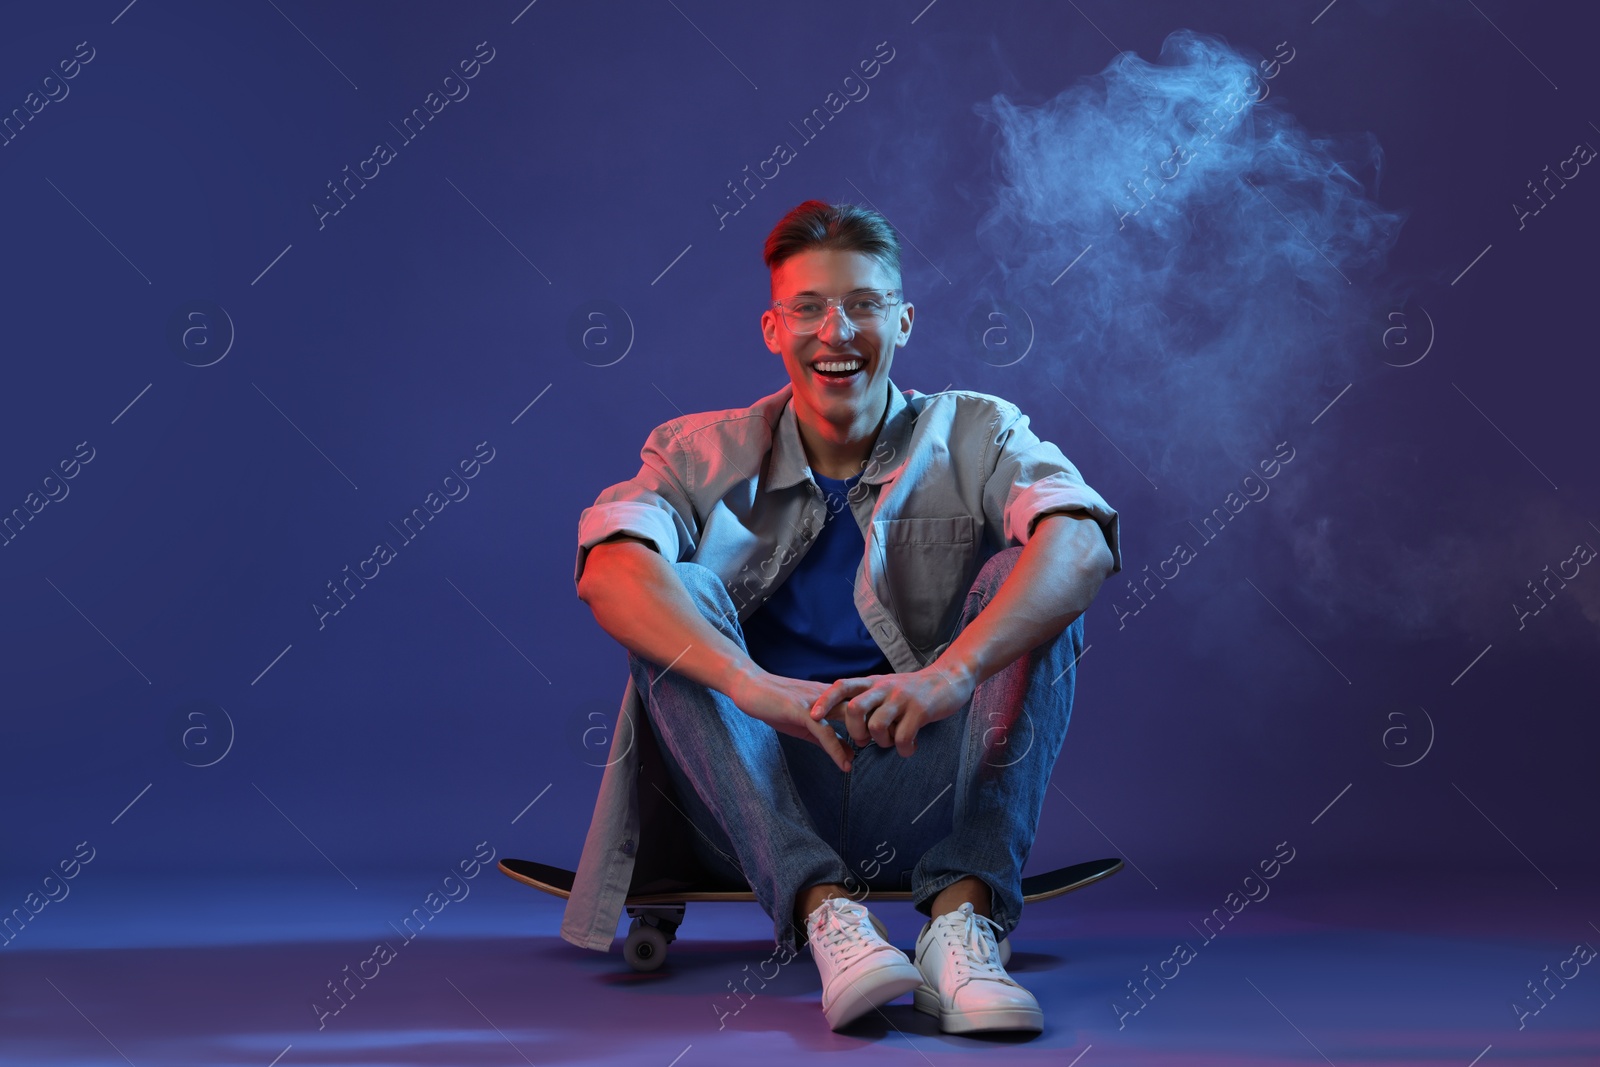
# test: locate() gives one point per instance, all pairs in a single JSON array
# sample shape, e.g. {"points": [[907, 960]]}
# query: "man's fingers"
{"points": [[820, 706], [827, 705], [905, 733], [881, 724], [823, 734], [857, 714]]}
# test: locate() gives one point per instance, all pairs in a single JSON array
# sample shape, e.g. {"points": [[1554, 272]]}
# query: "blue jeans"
{"points": [[774, 811]]}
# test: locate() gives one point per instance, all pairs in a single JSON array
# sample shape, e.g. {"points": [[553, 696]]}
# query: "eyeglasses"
{"points": [[804, 315]]}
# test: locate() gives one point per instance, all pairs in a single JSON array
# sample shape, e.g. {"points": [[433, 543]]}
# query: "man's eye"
{"points": [[809, 307], [866, 303]]}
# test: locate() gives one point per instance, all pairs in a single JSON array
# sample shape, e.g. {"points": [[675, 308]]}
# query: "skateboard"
{"points": [[656, 916]]}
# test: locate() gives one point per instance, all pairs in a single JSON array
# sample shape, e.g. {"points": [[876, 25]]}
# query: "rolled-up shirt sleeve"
{"points": [[1029, 478], [654, 504]]}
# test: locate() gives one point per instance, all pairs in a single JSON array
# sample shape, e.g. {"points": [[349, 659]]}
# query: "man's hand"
{"points": [[890, 708], [782, 703]]}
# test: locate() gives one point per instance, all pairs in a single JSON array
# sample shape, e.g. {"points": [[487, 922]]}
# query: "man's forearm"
{"points": [[639, 600], [1053, 581]]}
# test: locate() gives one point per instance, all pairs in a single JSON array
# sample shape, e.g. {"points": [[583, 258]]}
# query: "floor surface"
{"points": [[228, 974]]}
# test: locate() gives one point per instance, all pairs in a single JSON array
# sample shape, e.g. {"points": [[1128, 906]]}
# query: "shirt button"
{"points": [[627, 847]]}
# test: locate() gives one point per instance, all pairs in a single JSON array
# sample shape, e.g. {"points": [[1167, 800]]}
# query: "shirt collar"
{"points": [[789, 463]]}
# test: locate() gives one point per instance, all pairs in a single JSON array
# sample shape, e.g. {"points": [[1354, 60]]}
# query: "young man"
{"points": [[909, 569]]}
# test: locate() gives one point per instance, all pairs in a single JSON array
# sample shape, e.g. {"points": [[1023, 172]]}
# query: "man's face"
{"points": [[839, 399]]}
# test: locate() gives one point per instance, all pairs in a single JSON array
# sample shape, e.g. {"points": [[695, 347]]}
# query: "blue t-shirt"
{"points": [[809, 627]]}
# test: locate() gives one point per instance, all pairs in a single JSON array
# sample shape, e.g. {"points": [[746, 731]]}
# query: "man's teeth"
{"points": [[853, 364]]}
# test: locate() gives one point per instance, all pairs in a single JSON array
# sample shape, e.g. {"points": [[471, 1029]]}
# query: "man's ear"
{"points": [[768, 328]]}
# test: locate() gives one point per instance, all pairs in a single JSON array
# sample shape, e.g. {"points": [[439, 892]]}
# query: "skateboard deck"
{"points": [[656, 916], [557, 881]]}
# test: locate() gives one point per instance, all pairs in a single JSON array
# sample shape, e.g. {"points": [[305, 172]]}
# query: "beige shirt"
{"points": [[953, 478]]}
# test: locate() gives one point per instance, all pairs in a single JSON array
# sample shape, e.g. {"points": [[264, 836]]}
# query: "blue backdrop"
{"points": [[280, 277]]}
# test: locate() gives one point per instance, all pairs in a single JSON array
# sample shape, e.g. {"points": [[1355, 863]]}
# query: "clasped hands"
{"points": [[882, 709]]}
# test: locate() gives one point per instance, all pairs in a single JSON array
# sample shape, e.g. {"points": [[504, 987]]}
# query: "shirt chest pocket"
{"points": [[928, 565]]}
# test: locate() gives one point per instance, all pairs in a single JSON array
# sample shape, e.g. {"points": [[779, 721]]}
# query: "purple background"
{"points": [[378, 351]]}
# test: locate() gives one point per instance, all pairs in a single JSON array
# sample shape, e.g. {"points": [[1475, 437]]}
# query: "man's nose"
{"points": [[836, 328]]}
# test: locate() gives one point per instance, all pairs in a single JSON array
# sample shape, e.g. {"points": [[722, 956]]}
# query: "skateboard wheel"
{"points": [[646, 947]]}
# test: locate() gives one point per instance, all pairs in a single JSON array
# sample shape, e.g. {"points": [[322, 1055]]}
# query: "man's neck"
{"points": [[838, 451]]}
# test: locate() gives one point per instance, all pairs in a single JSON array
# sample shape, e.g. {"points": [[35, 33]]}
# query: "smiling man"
{"points": [[853, 615]]}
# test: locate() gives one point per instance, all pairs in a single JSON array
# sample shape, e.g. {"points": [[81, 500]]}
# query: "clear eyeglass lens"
{"points": [[806, 315]]}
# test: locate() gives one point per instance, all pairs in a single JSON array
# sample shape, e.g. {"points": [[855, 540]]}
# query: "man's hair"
{"points": [[845, 227]]}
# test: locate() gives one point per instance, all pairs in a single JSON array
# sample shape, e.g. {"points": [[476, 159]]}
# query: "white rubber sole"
{"points": [[968, 1022], [873, 990]]}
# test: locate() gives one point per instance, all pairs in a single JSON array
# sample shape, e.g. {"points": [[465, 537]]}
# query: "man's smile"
{"points": [[839, 370]]}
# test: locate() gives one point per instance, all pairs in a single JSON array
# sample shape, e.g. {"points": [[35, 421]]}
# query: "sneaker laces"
{"points": [[975, 936], [838, 926]]}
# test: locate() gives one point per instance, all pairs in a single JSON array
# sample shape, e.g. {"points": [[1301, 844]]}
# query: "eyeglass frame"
{"points": [[837, 303]]}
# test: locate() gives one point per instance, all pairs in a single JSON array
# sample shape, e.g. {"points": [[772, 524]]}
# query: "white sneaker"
{"points": [[964, 982], [860, 970]]}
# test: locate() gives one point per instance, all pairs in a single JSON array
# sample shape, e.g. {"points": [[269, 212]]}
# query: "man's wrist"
{"points": [[957, 671], [738, 673]]}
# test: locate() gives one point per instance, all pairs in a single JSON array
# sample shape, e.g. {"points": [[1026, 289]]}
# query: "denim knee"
{"points": [[990, 576], [996, 569], [711, 597]]}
